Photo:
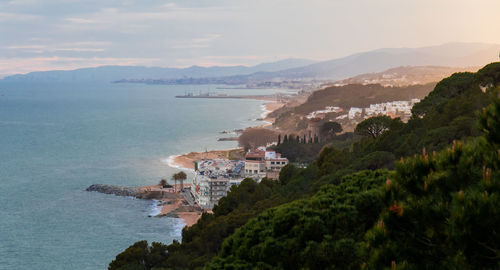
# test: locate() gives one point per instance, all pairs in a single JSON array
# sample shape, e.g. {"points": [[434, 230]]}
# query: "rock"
{"points": [[132, 192], [116, 190]]}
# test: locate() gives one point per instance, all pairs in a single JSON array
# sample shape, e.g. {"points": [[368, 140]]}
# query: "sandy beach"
{"points": [[272, 106], [174, 204], [187, 160]]}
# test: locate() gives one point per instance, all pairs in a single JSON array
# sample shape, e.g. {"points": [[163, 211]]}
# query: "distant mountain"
{"points": [[408, 75], [113, 73], [450, 54]]}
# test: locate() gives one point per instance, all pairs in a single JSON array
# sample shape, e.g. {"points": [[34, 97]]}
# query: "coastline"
{"points": [[177, 207], [186, 161], [173, 204]]}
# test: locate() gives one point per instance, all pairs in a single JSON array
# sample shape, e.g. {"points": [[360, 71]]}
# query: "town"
{"points": [[215, 177], [393, 109]]}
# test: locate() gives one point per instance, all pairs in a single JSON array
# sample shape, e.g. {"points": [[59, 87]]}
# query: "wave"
{"points": [[170, 161], [154, 208], [265, 111]]}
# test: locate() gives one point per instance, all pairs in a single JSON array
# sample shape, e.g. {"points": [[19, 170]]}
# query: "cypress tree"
{"points": [[285, 139], [279, 139]]}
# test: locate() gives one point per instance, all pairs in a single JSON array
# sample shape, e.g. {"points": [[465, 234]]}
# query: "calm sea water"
{"points": [[57, 139]]}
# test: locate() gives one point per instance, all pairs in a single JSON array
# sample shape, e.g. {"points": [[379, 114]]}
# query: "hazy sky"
{"points": [[67, 34]]}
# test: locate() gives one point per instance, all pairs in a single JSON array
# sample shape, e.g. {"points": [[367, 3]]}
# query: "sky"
{"points": [[37, 35]]}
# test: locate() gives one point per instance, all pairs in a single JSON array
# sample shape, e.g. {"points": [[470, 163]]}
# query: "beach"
{"points": [[174, 206], [173, 203], [186, 161]]}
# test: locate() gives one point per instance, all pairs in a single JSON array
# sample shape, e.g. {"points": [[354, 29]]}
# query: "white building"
{"points": [[262, 163], [213, 179], [328, 109], [355, 112]]}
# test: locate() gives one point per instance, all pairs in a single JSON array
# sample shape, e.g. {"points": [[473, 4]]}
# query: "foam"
{"points": [[265, 111], [154, 208], [170, 161]]}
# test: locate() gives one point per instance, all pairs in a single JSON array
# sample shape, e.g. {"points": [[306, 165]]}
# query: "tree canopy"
{"points": [[329, 129], [373, 126]]}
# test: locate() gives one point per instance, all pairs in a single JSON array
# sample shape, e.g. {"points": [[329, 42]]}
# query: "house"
{"points": [[262, 163]]}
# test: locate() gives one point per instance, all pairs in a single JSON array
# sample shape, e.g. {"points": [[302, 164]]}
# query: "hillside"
{"points": [[436, 210], [347, 96], [408, 75]]}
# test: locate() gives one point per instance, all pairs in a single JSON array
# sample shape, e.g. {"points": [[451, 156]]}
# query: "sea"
{"points": [[56, 139]]}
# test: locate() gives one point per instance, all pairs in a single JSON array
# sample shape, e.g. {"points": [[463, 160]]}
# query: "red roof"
{"points": [[256, 154]]}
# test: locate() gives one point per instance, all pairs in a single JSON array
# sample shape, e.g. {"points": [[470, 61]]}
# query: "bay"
{"points": [[57, 139]]}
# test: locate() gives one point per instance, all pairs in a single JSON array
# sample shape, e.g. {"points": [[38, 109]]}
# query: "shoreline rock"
{"points": [[116, 190]]}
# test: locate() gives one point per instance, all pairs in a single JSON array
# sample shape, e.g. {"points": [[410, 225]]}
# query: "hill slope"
{"points": [[407, 75]]}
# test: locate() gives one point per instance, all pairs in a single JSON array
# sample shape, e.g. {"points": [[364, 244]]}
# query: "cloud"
{"points": [[25, 65], [204, 41], [227, 32], [82, 46], [18, 17]]}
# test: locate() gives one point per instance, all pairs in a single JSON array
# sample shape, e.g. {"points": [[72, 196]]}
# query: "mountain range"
{"points": [[450, 54], [114, 73]]}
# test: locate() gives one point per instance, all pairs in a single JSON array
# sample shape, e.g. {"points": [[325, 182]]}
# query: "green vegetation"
{"points": [[373, 126], [438, 209], [163, 183], [315, 233], [329, 129]]}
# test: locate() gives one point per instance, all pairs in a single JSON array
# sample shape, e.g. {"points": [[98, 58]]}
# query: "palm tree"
{"points": [[174, 176], [163, 183], [182, 176]]}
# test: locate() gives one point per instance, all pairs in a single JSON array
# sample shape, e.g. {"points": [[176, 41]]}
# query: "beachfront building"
{"points": [[213, 179], [262, 163], [211, 190]]}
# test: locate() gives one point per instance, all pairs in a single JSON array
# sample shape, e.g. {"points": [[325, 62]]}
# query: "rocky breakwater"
{"points": [[147, 193], [173, 204], [116, 190]]}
